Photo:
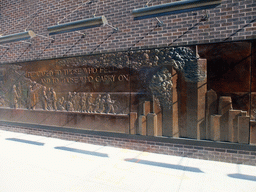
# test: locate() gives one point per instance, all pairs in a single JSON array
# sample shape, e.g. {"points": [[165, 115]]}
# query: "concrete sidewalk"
{"points": [[36, 163]]}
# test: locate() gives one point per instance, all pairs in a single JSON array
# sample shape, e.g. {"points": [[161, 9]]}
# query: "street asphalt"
{"points": [[36, 163]]}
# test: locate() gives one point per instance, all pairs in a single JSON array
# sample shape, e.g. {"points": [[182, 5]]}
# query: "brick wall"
{"points": [[232, 20], [234, 153]]}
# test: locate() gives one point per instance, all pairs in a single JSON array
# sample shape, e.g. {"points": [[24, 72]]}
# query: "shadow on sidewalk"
{"points": [[241, 176], [82, 151], [25, 141], [165, 165]]}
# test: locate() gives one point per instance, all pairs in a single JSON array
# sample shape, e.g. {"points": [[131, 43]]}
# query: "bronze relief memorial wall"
{"points": [[68, 92], [154, 92]]}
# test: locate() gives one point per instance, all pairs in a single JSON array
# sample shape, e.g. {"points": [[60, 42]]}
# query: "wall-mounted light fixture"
{"points": [[17, 37], [4, 46], [77, 25], [174, 8]]}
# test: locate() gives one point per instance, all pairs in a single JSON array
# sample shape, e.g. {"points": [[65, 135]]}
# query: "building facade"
{"points": [[184, 75]]}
